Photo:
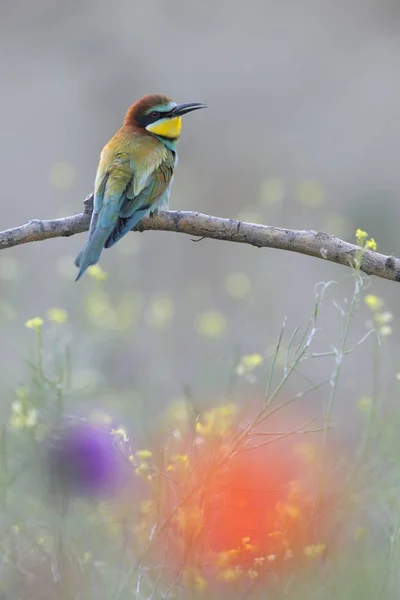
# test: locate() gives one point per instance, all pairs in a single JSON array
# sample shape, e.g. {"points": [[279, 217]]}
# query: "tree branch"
{"points": [[312, 243]]}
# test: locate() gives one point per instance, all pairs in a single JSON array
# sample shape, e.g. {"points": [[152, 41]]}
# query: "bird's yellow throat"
{"points": [[168, 128]]}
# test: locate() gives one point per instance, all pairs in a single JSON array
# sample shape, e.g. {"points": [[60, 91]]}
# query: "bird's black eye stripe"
{"points": [[152, 117]]}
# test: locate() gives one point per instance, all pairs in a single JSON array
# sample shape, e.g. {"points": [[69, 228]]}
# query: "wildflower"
{"points": [[371, 244], [361, 237], [385, 330], [35, 323], [290, 510], [364, 403], [22, 416], [121, 434], [226, 557], [143, 454], [97, 273], [248, 363], [181, 458], [83, 461], [57, 315], [216, 421], [142, 469], [199, 583], [229, 575], [246, 544], [211, 324], [373, 302], [314, 550], [193, 579]]}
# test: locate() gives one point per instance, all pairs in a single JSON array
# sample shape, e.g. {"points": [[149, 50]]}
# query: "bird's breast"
{"points": [[146, 157]]}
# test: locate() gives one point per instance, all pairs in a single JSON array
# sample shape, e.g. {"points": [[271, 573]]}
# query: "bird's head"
{"points": [[160, 116]]}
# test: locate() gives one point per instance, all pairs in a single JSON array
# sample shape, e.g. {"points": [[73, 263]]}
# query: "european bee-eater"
{"points": [[135, 172]]}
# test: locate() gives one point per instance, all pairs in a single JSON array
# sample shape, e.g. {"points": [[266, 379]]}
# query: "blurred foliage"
{"points": [[251, 496]]}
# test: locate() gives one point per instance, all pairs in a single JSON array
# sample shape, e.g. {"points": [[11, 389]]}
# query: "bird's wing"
{"points": [[134, 208]]}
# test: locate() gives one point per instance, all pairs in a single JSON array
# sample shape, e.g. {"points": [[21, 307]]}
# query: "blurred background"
{"points": [[301, 131]]}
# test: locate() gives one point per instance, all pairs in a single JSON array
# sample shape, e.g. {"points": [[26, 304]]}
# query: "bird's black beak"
{"points": [[182, 109]]}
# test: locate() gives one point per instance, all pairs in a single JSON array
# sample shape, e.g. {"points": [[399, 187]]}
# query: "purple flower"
{"points": [[84, 461]]}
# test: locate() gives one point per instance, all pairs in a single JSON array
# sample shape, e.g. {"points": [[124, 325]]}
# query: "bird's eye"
{"points": [[154, 114]]}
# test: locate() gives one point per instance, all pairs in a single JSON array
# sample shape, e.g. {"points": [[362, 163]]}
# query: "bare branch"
{"points": [[312, 243]]}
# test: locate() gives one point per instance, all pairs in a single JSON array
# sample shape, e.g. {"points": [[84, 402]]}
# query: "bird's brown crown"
{"points": [[142, 106]]}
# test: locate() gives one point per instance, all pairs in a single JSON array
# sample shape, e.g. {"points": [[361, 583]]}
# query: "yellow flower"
{"points": [[97, 273], [373, 302], [371, 244], [199, 583], [193, 579], [142, 469], [216, 421], [314, 550], [248, 363], [365, 403], [35, 323], [361, 236], [22, 417], [246, 543], [383, 318], [226, 557], [385, 330], [229, 575], [181, 458], [292, 511], [211, 323], [143, 454], [57, 315]]}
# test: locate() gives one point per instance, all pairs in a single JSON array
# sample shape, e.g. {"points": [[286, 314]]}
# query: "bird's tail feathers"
{"points": [[90, 253]]}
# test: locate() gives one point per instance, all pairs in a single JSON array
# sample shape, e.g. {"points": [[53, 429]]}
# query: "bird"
{"points": [[135, 172]]}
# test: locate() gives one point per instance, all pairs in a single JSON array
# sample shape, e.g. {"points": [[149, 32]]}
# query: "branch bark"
{"points": [[312, 243]]}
